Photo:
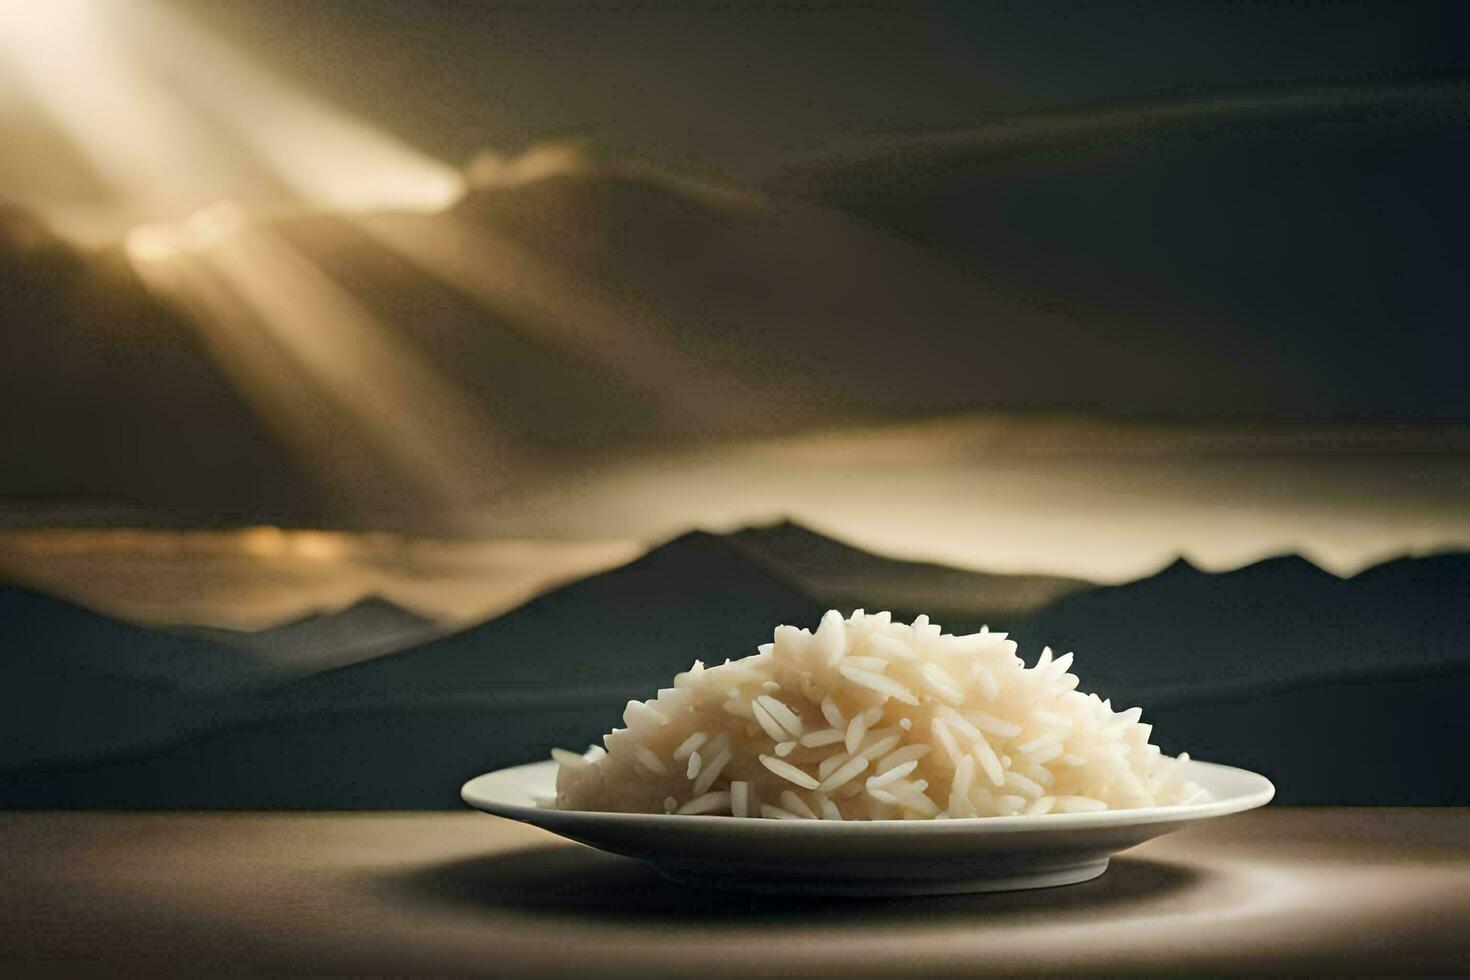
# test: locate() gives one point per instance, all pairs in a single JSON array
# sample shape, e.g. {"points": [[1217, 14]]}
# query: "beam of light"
{"points": [[148, 148], [563, 309], [327, 157], [556, 309], [268, 380], [169, 118], [172, 120], [380, 426], [157, 241]]}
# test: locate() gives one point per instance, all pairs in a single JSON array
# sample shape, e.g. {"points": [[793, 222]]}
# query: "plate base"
{"points": [[970, 883]]}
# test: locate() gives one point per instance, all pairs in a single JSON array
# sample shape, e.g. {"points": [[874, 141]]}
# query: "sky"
{"points": [[727, 86], [487, 268]]}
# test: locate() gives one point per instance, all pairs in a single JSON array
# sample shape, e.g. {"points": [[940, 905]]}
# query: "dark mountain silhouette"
{"points": [[404, 729], [1276, 622], [616, 635], [1369, 741], [1333, 687], [41, 631], [368, 628], [847, 577], [1336, 688], [369, 757], [1388, 739], [695, 597], [76, 681]]}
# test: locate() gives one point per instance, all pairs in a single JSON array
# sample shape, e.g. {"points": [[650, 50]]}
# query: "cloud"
{"points": [[489, 170], [559, 159]]}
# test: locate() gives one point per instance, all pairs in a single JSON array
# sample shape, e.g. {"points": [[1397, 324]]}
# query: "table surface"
{"points": [[1277, 890]]}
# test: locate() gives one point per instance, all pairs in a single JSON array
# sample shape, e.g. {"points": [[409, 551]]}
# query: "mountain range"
{"points": [[1273, 623], [81, 685], [384, 733], [370, 627], [848, 577], [1344, 691], [374, 652], [1333, 687], [76, 681]]}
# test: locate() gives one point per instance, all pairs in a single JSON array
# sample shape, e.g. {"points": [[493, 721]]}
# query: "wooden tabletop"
{"points": [[1278, 890]]}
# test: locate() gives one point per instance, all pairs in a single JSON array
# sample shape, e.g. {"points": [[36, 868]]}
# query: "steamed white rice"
{"points": [[868, 719]]}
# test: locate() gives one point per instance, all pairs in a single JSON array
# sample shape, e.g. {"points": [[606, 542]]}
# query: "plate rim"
{"points": [[1263, 792]]}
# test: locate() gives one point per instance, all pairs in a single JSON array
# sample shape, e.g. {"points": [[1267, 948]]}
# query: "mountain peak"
{"points": [[1290, 564], [1180, 567], [847, 576], [783, 526], [781, 531], [694, 596], [369, 605]]}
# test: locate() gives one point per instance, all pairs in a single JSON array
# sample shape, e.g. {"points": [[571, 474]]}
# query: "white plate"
{"points": [[866, 857]]}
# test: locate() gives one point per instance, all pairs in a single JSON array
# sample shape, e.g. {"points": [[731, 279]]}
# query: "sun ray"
{"points": [[329, 376], [145, 145], [564, 313], [169, 118], [330, 158]]}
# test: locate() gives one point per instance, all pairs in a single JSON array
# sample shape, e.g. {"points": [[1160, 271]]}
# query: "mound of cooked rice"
{"points": [[868, 719]]}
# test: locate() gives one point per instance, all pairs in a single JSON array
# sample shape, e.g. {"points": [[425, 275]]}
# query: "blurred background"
{"points": [[389, 389]]}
